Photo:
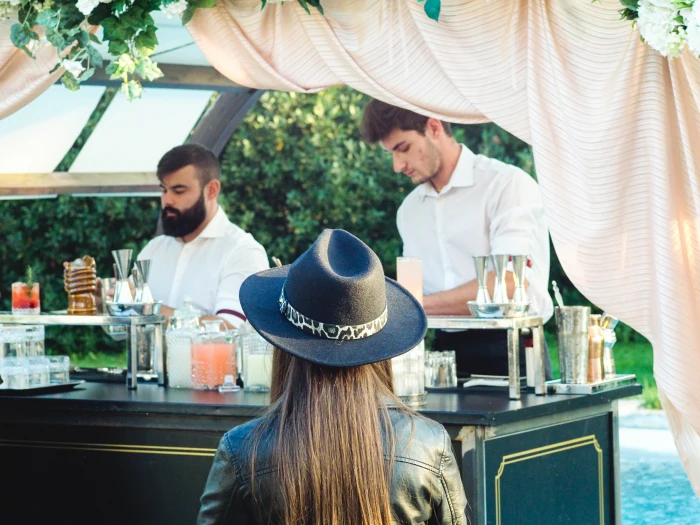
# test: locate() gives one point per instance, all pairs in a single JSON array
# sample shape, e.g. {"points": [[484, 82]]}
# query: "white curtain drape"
{"points": [[614, 126]]}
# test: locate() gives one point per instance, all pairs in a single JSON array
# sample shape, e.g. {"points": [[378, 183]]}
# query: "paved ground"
{"points": [[655, 488]]}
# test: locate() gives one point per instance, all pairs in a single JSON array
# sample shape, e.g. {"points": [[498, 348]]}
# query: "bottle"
{"points": [[183, 327], [213, 357], [595, 349], [608, 323]]}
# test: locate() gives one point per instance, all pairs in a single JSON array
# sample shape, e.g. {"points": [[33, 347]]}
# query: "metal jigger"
{"points": [[519, 265], [500, 292], [481, 263], [143, 293], [122, 290]]}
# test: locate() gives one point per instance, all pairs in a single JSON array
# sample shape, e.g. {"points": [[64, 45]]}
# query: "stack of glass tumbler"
{"points": [[22, 361]]}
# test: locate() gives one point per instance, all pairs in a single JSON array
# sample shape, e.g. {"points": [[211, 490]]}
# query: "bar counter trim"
{"points": [[553, 449], [107, 447]]}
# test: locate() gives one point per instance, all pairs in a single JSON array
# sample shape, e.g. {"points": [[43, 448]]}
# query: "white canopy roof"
{"points": [[129, 138]]}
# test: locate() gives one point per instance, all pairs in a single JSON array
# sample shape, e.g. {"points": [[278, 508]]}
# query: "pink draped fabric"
{"points": [[614, 128], [22, 78]]}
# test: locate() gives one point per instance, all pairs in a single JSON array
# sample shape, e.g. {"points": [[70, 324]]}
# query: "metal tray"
{"points": [[38, 390], [557, 387]]}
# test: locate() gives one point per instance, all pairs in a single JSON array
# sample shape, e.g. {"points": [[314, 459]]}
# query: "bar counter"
{"points": [[104, 454]]}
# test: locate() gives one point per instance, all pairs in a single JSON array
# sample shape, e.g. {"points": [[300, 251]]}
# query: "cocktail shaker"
{"points": [[572, 341]]}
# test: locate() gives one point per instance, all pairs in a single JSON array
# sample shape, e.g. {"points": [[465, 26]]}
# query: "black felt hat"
{"points": [[334, 306]]}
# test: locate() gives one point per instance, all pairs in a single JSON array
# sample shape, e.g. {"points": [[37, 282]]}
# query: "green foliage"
{"points": [[44, 233], [29, 277], [297, 165]]}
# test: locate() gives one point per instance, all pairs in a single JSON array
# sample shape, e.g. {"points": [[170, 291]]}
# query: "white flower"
{"points": [[691, 18], [74, 67], [15, 3], [659, 27], [86, 6], [174, 9]]}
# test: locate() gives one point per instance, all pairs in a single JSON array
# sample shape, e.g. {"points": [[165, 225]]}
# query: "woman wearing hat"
{"points": [[336, 446]]}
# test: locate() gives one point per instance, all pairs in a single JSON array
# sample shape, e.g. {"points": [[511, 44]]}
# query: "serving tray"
{"points": [[38, 390]]}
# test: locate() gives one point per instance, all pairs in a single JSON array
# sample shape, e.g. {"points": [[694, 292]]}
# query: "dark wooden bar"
{"points": [[105, 454]]}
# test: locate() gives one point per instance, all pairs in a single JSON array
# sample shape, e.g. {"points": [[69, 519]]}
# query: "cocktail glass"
{"points": [[25, 299]]}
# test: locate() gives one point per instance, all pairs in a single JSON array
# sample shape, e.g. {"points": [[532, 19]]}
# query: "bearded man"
{"points": [[464, 205], [201, 254]]}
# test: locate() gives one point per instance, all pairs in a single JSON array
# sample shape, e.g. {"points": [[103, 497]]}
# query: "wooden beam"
{"points": [[177, 76], [61, 183], [222, 118]]}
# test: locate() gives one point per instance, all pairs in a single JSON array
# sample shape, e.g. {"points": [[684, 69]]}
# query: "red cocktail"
{"points": [[25, 299]]}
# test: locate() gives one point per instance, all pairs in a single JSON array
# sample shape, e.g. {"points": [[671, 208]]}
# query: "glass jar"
{"points": [[409, 376], [183, 327], [213, 356], [257, 361]]}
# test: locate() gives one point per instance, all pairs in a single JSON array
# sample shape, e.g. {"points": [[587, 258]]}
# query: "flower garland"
{"points": [[128, 30], [666, 25]]}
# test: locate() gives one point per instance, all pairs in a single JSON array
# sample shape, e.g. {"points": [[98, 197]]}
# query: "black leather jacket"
{"points": [[426, 485]]}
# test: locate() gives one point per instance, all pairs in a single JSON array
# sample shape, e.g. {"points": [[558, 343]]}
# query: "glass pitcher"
{"points": [[213, 357], [183, 327]]}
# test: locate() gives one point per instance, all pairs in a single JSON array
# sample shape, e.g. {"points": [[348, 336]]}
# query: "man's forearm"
{"points": [[454, 301]]}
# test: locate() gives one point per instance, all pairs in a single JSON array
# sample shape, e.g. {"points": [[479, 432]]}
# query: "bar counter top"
{"points": [[487, 406]]}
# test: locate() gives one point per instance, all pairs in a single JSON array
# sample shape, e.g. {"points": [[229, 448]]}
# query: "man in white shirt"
{"points": [[202, 255], [464, 205]]}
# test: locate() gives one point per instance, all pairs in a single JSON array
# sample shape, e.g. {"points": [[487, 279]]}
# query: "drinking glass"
{"points": [[257, 362], [59, 368], [38, 371], [441, 369], [14, 342], [409, 274], [34, 335], [25, 299], [14, 372], [409, 375]]}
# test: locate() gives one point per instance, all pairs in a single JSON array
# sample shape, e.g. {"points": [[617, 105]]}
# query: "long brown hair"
{"points": [[333, 433]]}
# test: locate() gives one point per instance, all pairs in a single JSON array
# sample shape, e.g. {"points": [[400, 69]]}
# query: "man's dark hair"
{"points": [[380, 119], [204, 161]]}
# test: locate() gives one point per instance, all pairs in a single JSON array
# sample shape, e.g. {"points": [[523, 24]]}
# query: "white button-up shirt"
{"points": [[209, 269], [487, 207]]}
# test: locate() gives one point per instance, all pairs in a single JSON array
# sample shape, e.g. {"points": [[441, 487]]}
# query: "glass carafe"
{"points": [[183, 327], [213, 356]]}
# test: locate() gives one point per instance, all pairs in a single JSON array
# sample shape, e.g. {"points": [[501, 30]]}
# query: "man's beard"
{"points": [[186, 221]]}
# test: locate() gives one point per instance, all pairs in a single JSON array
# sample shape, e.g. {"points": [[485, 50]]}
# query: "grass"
{"points": [[630, 358], [99, 359]]}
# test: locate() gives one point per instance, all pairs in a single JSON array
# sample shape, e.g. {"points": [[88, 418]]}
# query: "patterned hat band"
{"points": [[328, 330]]}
